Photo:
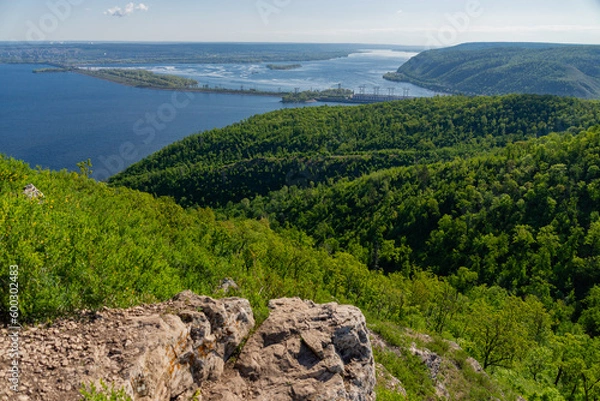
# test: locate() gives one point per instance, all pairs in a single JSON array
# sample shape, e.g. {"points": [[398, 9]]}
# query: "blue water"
{"points": [[58, 120], [364, 69]]}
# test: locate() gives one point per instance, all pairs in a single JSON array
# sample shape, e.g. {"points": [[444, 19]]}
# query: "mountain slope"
{"points": [[312, 145], [503, 68], [525, 218], [513, 233], [83, 245]]}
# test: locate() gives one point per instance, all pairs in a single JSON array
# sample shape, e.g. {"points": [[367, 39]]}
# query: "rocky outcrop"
{"points": [[155, 352], [303, 351], [227, 285], [31, 192], [389, 381], [433, 362], [453, 375], [179, 350]]}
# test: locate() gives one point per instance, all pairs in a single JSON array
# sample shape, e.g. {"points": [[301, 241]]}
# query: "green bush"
{"points": [[104, 393]]}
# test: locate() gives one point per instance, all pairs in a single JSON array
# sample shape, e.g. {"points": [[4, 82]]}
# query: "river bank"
{"points": [[149, 80]]}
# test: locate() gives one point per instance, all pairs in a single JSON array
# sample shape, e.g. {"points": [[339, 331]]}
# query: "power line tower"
{"points": [[362, 89], [391, 91], [406, 92], [376, 90]]}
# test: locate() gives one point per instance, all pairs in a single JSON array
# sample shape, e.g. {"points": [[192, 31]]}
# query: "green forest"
{"points": [[81, 54], [303, 147], [140, 78], [326, 95], [475, 220], [524, 218], [503, 68]]}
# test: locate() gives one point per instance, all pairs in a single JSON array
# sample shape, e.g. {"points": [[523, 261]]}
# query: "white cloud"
{"points": [[130, 8]]}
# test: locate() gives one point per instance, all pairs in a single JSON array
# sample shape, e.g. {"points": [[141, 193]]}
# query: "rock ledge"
{"points": [[179, 350]]}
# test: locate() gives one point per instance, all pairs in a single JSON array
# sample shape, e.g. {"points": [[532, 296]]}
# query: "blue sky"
{"points": [[414, 22]]}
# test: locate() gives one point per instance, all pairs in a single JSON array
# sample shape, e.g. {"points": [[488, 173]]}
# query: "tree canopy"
{"points": [[503, 68], [313, 145]]}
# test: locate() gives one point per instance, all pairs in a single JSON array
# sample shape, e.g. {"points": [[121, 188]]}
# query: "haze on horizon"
{"points": [[415, 22]]}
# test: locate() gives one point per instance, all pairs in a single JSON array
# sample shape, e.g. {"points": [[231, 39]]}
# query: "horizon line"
{"points": [[283, 43]]}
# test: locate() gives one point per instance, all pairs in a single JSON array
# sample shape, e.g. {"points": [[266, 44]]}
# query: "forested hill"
{"points": [[486, 233], [110, 53], [503, 68], [525, 217], [83, 245], [303, 147]]}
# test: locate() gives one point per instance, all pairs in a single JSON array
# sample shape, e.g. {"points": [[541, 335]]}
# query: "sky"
{"points": [[433, 23]]}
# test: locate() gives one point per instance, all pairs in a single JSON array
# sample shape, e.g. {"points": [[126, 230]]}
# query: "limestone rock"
{"points": [[227, 285], [475, 365], [156, 352], [180, 350], [389, 381], [32, 192], [433, 362], [304, 351], [430, 359]]}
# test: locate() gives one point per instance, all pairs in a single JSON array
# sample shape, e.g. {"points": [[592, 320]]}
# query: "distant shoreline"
{"points": [[131, 83], [396, 77], [321, 97], [283, 67], [144, 79], [247, 92]]}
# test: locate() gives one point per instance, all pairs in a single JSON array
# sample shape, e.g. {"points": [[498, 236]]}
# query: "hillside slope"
{"points": [[77, 244], [513, 234], [524, 217], [302, 147], [503, 68]]}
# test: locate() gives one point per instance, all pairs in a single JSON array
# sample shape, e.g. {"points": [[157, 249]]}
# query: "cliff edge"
{"points": [[190, 348]]}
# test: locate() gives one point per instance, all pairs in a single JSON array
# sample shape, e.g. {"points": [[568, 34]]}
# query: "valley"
{"points": [[430, 248]]}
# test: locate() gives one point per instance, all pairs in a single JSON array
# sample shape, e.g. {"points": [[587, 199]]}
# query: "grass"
{"points": [[104, 393]]}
